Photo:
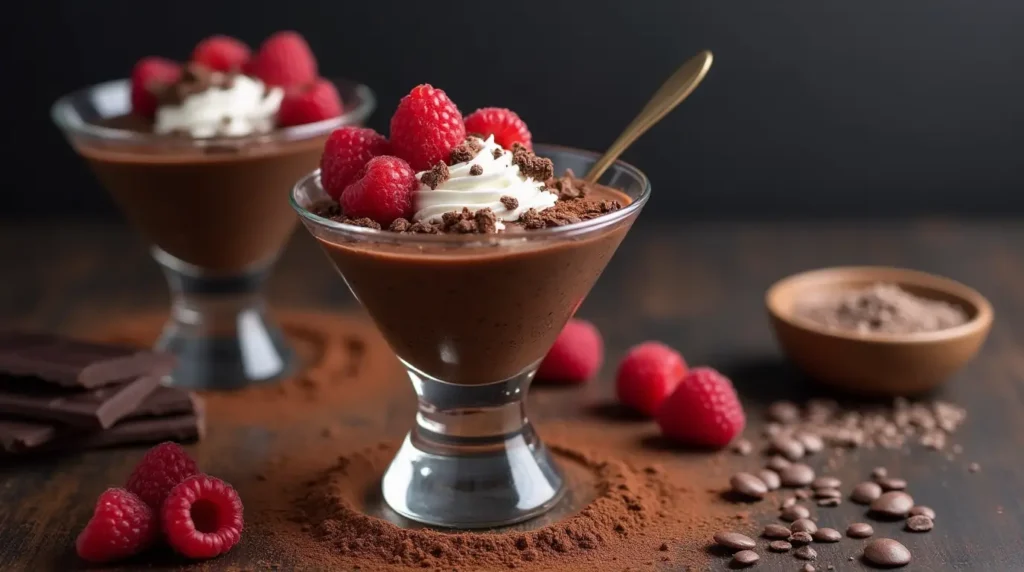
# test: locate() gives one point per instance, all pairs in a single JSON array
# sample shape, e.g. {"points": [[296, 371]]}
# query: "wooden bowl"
{"points": [[877, 363]]}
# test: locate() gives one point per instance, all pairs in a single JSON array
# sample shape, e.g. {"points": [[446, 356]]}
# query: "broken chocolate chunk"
{"points": [[436, 176], [530, 165], [531, 220], [465, 151], [486, 221]]}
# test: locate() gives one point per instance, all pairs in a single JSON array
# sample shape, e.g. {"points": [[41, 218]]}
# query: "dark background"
{"points": [[813, 108]]}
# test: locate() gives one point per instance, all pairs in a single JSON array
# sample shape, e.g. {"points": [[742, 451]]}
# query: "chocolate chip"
{"points": [[866, 492], [892, 484], [476, 170], [777, 463], [830, 502], [794, 513], [919, 523], [859, 530], [826, 483], [827, 494], [745, 558], [734, 541], [826, 535], [812, 443], [779, 546], [922, 511], [800, 538], [742, 447], [886, 553], [748, 485], [893, 504], [770, 479], [803, 525], [806, 553], [788, 447], [797, 475], [784, 412], [879, 473], [775, 531]]}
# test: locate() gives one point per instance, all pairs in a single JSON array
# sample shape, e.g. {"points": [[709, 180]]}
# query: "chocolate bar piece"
{"points": [[18, 436], [75, 363], [167, 401], [99, 408]]}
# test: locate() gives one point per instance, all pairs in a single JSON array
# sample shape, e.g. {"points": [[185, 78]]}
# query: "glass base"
{"points": [[473, 459], [219, 329]]}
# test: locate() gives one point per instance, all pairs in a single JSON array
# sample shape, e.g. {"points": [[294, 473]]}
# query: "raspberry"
{"points": [[148, 75], [284, 59], [426, 127], [202, 517], [222, 53], [647, 375], [703, 410], [382, 191], [576, 355], [504, 124], [121, 526], [346, 152], [160, 469]]}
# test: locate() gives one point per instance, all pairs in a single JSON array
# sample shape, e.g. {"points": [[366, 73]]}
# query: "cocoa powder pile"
{"points": [[880, 308]]}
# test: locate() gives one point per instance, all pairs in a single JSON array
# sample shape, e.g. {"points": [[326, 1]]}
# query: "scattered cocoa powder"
{"points": [[880, 308]]}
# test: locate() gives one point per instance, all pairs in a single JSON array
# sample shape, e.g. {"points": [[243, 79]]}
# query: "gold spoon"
{"points": [[675, 89]]}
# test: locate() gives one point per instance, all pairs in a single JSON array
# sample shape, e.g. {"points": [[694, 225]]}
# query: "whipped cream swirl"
{"points": [[499, 177], [230, 107]]}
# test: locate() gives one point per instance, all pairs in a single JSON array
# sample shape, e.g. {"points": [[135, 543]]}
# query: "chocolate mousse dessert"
{"points": [[196, 156]]}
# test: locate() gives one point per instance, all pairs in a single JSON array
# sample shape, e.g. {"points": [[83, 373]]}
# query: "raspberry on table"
{"points": [[346, 152], [222, 53], [160, 469], [506, 126], [122, 525], [310, 104], [426, 127], [381, 192], [202, 517], [648, 375], [148, 75], [703, 410], [576, 355], [284, 59]]}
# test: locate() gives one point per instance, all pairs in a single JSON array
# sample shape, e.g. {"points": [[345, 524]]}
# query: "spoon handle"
{"points": [[675, 89]]}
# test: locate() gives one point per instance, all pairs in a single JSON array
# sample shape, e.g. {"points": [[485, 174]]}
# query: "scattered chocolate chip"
{"points": [[866, 492], [777, 463], [893, 504], [826, 483], [886, 553], [892, 484], [399, 225], [745, 558], [879, 473], [476, 170], [770, 479], [826, 535], [775, 531], [800, 538], [748, 485], [974, 467], [510, 203], [436, 176], [797, 475], [812, 443], [859, 530], [742, 447], [794, 513], [833, 502], [734, 541], [530, 165], [788, 447], [784, 412], [806, 553], [919, 523], [827, 494], [922, 511], [779, 546], [803, 525]]}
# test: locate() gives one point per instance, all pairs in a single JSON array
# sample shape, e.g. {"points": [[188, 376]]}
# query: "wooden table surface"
{"points": [[698, 287]]}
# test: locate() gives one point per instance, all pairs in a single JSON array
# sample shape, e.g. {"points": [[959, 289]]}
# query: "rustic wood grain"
{"points": [[699, 288]]}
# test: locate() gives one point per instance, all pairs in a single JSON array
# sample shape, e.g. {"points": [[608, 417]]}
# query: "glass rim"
{"points": [[569, 230], [63, 115]]}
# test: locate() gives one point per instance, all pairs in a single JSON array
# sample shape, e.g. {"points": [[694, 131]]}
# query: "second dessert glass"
{"points": [[471, 317], [212, 210]]}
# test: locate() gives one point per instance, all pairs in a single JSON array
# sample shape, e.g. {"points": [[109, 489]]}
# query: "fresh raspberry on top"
{"points": [[121, 526], [202, 517], [426, 127], [309, 104], [703, 410], [576, 356], [160, 469], [382, 191], [504, 124], [284, 59], [222, 53], [346, 152], [647, 375], [148, 75]]}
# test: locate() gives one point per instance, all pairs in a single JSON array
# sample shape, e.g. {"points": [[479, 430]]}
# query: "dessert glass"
{"points": [[212, 212], [471, 317]]}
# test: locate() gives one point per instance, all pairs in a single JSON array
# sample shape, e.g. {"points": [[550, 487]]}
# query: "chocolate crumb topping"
{"points": [[483, 221], [465, 151], [465, 227], [476, 170], [423, 228], [569, 212], [511, 203], [363, 222], [326, 209], [473, 134], [399, 225], [486, 221], [498, 153], [195, 78], [568, 187], [436, 176], [530, 165], [531, 220]]}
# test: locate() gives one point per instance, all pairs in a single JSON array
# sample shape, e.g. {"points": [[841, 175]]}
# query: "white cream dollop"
{"points": [[244, 107], [499, 178]]}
